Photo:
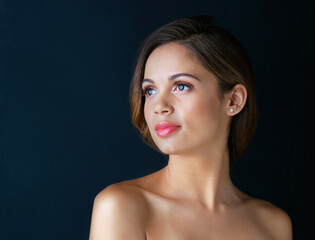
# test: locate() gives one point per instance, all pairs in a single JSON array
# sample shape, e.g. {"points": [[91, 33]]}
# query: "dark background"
{"points": [[65, 125]]}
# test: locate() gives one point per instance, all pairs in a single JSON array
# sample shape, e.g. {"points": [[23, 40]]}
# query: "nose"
{"points": [[162, 106]]}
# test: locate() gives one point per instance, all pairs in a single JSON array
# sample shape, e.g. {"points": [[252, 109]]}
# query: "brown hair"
{"points": [[220, 53]]}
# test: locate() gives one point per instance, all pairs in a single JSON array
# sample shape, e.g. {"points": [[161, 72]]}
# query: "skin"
{"points": [[192, 197]]}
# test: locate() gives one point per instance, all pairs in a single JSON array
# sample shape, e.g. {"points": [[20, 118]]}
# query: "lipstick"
{"points": [[164, 128]]}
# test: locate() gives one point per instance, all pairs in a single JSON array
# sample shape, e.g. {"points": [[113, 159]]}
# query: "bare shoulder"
{"points": [[123, 193], [119, 212], [275, 220]]}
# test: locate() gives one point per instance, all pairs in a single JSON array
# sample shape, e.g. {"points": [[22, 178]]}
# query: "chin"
{"points": [[166, 147], [172, 149]]}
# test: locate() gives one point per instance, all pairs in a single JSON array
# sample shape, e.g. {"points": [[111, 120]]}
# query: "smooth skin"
{"points": [[193, 197]]}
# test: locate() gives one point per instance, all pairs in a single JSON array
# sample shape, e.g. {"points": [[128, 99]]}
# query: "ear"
{"points": [[236, 99]]}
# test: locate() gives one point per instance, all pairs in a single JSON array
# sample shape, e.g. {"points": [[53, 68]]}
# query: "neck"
{"points": [[202, 177]]}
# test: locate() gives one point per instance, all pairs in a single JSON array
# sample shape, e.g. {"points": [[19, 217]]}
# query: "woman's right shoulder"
{"points": [[125, 198], [119, 212], [122, 194]]}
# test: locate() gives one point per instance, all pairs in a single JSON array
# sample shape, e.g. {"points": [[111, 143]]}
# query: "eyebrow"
{"points": [[173, 77]]}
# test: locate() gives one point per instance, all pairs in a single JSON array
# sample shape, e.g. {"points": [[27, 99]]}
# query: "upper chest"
{"points": [[183, 221]]}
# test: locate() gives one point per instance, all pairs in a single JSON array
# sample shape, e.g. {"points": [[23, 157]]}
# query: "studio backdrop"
{"points": [[65, 123]]}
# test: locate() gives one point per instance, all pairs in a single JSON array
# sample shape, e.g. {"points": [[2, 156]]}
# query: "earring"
{"points": [[231, 110]]}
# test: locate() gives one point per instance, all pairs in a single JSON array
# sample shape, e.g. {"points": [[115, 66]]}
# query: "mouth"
{"points": [[166, 131]]}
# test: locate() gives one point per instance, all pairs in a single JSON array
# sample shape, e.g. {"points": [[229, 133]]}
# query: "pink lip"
{"points": [[165, 128]]}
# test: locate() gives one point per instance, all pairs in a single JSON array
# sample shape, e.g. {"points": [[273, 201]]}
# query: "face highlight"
{"points": [[179, 90]]}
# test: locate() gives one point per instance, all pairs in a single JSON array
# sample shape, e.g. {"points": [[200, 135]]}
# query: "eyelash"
{"points": [[148, 88]]}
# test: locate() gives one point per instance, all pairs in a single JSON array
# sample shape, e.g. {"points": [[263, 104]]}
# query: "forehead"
{"points": [[172, 58]]}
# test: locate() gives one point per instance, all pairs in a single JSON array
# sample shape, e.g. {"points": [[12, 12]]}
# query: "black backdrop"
{"points": [[65, 125]]}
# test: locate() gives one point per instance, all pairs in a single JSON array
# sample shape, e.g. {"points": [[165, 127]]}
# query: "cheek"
{"points": [[202, 114], [203, 108], [146, 110]]}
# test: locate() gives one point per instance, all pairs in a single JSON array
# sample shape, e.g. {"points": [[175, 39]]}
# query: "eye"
{"points": [[148, 91], [182, 86]]}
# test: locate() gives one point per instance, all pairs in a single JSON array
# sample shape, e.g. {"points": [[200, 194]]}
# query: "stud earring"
{"points": [[231, 110]]}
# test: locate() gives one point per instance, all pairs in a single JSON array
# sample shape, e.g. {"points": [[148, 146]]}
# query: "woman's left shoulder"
{"points": [[275, 219]]}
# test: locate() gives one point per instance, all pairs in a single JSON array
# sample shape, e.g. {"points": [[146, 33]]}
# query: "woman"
{"points": [[192, 98]]}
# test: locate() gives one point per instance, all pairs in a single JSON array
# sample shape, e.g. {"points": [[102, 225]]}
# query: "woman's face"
{"points": [[180, 91]]}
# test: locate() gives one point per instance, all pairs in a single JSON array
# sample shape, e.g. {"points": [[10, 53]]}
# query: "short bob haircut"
{"points": [[220, 53]]}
